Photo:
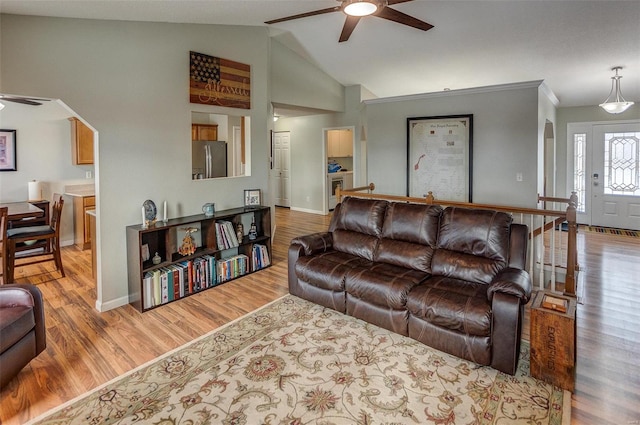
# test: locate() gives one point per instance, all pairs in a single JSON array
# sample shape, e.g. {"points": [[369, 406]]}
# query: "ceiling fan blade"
{"points": [[390, 2], [402, 18], [305, 15], [24, 101], [349, 25]]}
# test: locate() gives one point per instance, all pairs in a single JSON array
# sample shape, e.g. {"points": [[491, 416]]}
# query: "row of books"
{"points": [[177, 280], [226, 235], [232, 267], [260, 256]]}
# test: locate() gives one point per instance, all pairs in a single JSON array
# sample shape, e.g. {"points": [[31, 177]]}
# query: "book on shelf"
{"points": [[226, 235], [260, 257]]}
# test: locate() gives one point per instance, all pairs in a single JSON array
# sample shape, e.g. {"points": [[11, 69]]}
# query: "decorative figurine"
{"points": [[253, 232], [188, 246], [240, 232], [156, 259]]}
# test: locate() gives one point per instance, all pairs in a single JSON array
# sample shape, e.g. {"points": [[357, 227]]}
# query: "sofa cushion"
{"points": [[15, 322], [358, 226], [383, 284], [409, 235], [452, 304], [328, 270], [472, 244]]}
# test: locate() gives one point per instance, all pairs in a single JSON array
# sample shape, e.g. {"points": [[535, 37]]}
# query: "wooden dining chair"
{"points": [[3, 244], [21, 238]]}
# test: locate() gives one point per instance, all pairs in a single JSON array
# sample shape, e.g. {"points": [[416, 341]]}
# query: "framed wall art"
{"points": [[8, 157], [252, 198], [217, 81], [439, 157]]}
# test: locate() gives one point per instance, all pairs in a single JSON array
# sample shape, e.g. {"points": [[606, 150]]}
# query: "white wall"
{"points": [[505, 139], [130, 81]]}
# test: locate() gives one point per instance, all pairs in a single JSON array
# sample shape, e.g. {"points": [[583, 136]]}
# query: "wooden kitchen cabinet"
{"points": [[204, 132], [82, 226], [81, 143], [340, 143]]}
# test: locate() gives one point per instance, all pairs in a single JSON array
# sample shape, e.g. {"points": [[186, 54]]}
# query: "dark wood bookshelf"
{"points": [[166, 237]]}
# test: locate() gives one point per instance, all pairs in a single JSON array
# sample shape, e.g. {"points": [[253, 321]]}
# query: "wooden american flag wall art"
{"points": [[221, 82]]}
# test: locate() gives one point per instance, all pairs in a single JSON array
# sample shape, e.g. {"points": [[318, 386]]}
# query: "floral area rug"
{"points": [[294, 362]]}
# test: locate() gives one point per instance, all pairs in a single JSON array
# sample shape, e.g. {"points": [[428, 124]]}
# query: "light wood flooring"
{"points": [[86, 348]]}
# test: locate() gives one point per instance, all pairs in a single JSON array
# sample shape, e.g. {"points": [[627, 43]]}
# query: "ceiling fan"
{"points": [[24, 100], [357, 9]]}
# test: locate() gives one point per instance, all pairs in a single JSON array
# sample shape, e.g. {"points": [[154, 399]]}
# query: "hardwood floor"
{"points": [[86, 348]]}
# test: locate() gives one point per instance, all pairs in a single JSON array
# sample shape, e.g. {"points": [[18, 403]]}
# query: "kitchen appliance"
{"points": [[335, 180], [209, 159]]}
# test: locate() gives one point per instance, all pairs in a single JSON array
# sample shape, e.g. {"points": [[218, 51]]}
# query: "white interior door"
{"points": [[281, 168], [615, 176]]}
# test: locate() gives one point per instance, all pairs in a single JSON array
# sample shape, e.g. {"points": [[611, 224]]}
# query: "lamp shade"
{"points": [[359, 7], [615, 103]]}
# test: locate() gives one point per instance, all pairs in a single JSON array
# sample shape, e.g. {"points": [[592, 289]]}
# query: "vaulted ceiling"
{"points": [[572, 45]]}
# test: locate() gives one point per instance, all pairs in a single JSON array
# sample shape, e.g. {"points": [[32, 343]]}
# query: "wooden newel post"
{"points": [[572, 254], [430, 198]]}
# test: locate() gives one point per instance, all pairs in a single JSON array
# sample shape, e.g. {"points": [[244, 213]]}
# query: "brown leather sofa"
{"points": [[451, 278], [22, 331]]}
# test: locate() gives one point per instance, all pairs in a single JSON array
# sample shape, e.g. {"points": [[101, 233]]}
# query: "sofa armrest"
{"points": [[14, 295], [314, 243], [511, 281]]}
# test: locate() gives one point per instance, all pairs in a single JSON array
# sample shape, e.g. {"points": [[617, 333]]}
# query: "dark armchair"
{"points": [[22, 330]]}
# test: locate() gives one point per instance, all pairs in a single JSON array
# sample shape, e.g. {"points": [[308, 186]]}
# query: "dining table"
{"points": [[21, 210]]}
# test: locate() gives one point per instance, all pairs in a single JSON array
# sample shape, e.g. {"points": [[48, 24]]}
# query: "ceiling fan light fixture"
{"points": [[615, 103], [360, 7]]}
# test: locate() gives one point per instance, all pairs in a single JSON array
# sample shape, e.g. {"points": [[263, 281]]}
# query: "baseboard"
{"points": [[110, 305], [305, 210]]}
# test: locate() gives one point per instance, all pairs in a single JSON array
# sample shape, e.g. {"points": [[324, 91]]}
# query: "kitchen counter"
{"points": [[80, 190], [84, 200], [81, 194]]}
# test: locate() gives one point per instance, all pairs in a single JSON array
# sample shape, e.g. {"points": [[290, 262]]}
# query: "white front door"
{"points": [[615, 176], [281, 168]]}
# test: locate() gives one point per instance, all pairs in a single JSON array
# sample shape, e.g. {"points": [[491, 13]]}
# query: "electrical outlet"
{"points": [[88, 174], [518, 177]]}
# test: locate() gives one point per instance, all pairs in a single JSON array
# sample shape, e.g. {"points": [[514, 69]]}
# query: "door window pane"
{"points": [[579, 167], [621, 163]]}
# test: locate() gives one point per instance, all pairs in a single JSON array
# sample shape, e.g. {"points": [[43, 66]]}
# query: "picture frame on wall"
{"points": [[252, 198], [439, 157], [8, 156]]}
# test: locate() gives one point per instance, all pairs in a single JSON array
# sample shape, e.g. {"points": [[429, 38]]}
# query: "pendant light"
{"points": [[615, 103]]}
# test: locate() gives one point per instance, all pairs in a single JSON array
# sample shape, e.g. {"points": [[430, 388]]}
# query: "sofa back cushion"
{"points": [[473, 244], [357, 226], [409, 235]]}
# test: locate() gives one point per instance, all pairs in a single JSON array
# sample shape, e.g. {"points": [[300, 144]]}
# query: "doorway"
{"points": [[282, 168], [605, 170]]}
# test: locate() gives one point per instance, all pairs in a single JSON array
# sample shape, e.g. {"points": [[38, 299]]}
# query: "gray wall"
{"points": [[505, 140], [129, 80], [297, 82]]}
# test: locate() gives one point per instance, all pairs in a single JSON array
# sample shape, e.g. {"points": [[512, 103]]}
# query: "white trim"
{"points": [[474, 90], [110, 305], [544, 88], [306, 210]]}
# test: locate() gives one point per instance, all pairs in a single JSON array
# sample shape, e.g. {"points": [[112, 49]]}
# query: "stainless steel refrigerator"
{"points": [[209, 159]]}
